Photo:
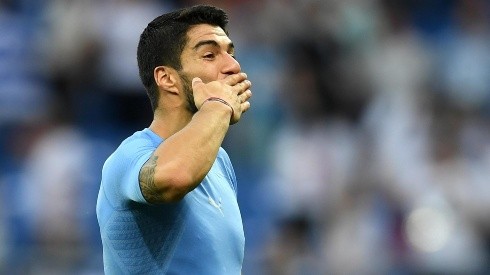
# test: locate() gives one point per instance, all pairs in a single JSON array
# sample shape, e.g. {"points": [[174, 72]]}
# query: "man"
{"points": [[167, 202]]}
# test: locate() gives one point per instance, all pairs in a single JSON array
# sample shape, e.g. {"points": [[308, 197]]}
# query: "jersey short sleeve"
{"points": [[120, 174]]}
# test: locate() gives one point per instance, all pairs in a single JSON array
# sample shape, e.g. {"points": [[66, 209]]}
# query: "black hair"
{"points": [[164, 39]]}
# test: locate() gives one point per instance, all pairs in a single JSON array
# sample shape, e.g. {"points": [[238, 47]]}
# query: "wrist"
{"points": [[220, 101]]}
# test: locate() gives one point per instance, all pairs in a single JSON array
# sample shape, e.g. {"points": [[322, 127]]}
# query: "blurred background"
{"points": [[366, 151]]}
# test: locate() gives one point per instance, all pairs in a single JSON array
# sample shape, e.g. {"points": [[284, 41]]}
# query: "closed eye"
{"points": [[209, 56]]}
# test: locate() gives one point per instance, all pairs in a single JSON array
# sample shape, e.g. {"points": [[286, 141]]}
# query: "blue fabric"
{"points": [[201, 234]]}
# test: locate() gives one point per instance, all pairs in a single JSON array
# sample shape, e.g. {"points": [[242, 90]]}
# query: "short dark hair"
{"points": [[164, 39]]}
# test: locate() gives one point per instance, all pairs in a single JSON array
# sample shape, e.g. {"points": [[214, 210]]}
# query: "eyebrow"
{"points": [[212, 43]]}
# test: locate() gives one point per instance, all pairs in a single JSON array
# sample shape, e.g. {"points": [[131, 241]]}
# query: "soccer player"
{"points": [[167, 202]]}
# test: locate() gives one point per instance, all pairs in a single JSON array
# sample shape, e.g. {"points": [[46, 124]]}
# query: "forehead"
{"points": [[206, 32]]}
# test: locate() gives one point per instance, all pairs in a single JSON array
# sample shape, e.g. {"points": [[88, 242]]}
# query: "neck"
{"points": [[168, 122]]}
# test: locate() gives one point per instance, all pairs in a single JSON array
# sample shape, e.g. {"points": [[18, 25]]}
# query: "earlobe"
{"points": [[165, 79]]}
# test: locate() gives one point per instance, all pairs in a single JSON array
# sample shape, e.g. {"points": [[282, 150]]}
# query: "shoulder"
{"points": [[225, 163], [223, 156], [131, 149]]}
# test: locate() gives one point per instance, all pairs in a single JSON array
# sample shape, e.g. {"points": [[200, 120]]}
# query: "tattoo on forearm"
{"points": [[147, 179]]}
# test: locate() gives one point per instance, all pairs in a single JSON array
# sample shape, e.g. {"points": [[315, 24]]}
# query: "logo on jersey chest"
{"points": [[215, 204]]}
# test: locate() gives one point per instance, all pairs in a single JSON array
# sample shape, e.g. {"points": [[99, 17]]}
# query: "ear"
{"points": [[166, 79]]}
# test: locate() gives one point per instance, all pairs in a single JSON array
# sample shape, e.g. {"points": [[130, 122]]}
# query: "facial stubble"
{"points": [[189, 94]]}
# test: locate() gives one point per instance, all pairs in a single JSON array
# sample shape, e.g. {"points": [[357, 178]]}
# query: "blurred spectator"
{"points": [[397, 116], [52, 187], [53, 191], [291, 250], [74, 42], [23, 87], [465, 56], [315, 147], [117, 71]]}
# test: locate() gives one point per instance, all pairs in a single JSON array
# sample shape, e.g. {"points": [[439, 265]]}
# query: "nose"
{"points": [[231, 65]]}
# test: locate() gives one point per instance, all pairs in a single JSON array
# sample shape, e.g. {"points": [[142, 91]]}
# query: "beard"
{"points": [[189, 94]]}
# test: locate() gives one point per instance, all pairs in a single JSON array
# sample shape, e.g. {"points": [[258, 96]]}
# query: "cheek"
{"points": [[208, 74]]}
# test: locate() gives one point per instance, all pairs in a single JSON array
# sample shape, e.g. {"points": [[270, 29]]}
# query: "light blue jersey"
{"points": [[201, 234]]}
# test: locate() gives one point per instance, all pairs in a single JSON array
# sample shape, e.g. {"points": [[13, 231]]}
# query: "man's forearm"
{"points": [[182, 161]]}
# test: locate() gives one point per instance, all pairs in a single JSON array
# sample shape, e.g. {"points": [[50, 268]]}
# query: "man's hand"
{"points": [[234, 89]]}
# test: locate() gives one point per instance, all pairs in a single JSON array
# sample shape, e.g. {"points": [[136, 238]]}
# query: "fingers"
{"points": [[245, 106], [244, 86], [234, 89], [241, 87], [243, 100], [244, 96], [234, 79]]}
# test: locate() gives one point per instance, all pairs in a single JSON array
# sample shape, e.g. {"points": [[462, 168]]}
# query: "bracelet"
{"points": [[222, 101]]}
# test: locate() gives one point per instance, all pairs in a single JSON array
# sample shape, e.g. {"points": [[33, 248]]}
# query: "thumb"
{"points": [[196, 81]]}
